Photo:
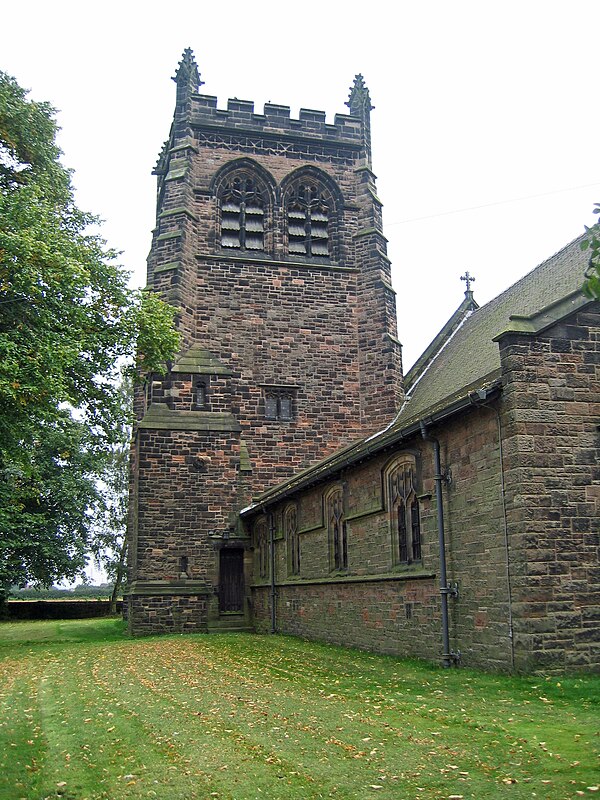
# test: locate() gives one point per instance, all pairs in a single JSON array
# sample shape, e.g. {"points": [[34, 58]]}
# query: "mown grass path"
{"points": [[87, 713]]}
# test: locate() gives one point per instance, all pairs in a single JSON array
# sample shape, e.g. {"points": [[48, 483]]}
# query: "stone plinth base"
{"points": [[167, 607]]}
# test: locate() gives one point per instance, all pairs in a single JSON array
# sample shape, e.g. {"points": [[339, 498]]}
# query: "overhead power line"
{"points": [[489, 205]]}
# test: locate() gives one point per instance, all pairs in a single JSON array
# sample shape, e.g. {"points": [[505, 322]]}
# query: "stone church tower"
{"points": [[269, 241]]}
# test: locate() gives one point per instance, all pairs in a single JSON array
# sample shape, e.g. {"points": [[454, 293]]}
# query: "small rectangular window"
{"points": [[279, 404], [271, 406], [285, 407], [200, 394]]}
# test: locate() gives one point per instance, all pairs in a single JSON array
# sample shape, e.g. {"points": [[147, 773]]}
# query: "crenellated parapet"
{"points": [[240, 114]]}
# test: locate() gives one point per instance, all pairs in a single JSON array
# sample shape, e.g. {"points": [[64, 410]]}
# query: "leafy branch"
{"points": [[591, 286]]}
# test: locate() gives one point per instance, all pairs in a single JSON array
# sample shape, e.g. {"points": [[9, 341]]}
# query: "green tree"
{"points": [[592, 243], [109, 542], [67, 322]]}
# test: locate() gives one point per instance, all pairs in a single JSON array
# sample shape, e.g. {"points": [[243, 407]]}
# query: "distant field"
{"points": [[87, 713]]}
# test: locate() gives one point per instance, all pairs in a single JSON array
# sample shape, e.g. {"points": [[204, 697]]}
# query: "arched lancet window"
{"points": [[290, 527], [405, 517], [337, 530], [261, 544], [308, 213], [310, 202], [243, 205]]}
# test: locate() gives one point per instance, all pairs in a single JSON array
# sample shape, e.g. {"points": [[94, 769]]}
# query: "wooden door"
{"points": [[231, 580]]}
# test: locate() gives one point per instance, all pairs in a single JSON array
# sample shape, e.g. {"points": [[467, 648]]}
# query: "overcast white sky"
{"points": [[485, 131]]}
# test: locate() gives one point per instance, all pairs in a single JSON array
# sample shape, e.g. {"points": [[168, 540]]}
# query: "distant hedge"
{"points": [[56, 609], [102, 591]]}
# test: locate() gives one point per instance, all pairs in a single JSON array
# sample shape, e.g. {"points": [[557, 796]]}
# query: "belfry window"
{"points": [[308, 212], [242, 214], [337, 531], [405, 517]]}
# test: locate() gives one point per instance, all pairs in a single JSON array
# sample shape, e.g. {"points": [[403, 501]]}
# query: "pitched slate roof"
{"points": [[463, 359], [470, 356], [464, 310]]}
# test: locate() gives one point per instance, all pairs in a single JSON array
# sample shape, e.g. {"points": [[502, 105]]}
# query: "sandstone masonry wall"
{"points": [[552, 451], [377, 604]]}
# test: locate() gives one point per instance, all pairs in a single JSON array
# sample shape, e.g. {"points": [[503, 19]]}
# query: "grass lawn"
{"points": [[87, 713]]}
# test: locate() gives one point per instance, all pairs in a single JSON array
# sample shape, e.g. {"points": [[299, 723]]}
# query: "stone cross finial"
{"points": [[468, 279]]}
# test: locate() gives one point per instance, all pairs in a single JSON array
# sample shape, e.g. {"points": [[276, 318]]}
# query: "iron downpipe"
{"points": [[272, 560], [445, 590]]}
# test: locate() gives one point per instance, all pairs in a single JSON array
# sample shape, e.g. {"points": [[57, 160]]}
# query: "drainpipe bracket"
{"points": [[451, 591]]}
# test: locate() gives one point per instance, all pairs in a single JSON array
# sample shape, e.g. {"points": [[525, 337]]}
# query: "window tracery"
{"points": [[262, 547], [308, 213], [405, 517], [290, 526], [242, 213], [337, 530]]}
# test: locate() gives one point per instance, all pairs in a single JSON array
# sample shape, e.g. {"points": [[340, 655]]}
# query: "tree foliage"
{"points": [[109, 528], [591, 287], [67, 322]]}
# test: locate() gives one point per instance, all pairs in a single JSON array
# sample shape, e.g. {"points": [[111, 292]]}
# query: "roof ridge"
{"points": [[528, 275]]}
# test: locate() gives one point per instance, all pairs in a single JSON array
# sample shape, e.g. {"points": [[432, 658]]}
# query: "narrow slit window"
{"points": [[416, 529], [293, 540], [262, 548], [338, 531], [200, 395], [402, 533]]}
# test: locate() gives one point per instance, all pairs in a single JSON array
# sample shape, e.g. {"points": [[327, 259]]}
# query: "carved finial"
{"points": [[359, 101], [187, 74], [360, 106], [468, 279]]}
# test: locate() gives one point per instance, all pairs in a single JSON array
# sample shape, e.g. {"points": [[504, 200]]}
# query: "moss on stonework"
{"points": [[245, 463], [199, 361], [167, 267], [160, 417]]}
